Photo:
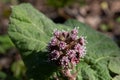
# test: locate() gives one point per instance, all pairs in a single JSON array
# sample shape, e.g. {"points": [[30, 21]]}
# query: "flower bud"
{"points": [[54, 55], [54, 41], [57, 33], [62, 45]]}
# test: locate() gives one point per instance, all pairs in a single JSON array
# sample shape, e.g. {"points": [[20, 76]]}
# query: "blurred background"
{"points": [[101, 15]]}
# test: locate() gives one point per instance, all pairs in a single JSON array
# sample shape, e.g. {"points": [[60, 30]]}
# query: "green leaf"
{"points": [[86, 72], [18, 68], [116, 78], [114, 65], [31, 31], [5, 43], [59, 4], [2, 75]]}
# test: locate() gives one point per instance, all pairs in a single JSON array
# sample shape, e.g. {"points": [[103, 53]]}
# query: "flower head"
{"points": [[66, 48]]}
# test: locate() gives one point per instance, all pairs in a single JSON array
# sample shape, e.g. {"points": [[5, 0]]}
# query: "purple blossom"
{"points": [[53, 41], [66, 48], [74, 61], [64, 61], [82, 41], [65, 34], [74, 31], [80, 49], [57, 33], [77, 47], [55, 55], [62, 45], [74, 37], [71, 53]]}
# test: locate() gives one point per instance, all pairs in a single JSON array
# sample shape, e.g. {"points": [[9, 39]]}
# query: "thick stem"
{"points": [[69, 75]]}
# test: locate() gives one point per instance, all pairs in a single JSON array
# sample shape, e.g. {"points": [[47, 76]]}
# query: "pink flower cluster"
{"points": [[66, 49]]}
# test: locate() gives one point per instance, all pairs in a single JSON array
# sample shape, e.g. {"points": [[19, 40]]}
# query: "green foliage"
{"points": [[5, 1], [118, 20], [59, 3], [64, 3], [104, 27], [81, 2], [116, 78], [18, 68], [5, 43], [114, 65], [2, 75], [31, 31]]}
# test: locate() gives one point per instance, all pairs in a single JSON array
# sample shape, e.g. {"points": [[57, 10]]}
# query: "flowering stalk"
{"points": [[66, 49]]}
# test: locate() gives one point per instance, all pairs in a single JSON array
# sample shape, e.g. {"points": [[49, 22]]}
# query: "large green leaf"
{"points": [[116, 78], [114, 65], [31, 31]]}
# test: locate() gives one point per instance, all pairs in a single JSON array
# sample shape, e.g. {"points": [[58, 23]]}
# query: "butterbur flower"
{"points": [[74, 31], [54, 55], [74, 37], [82, 51], [57, 33], [71, 53], [74, 61], [62, 45], [77, 47], [66, 49], [82, 40], [53, 41], [65, 34], [64, 61]]}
